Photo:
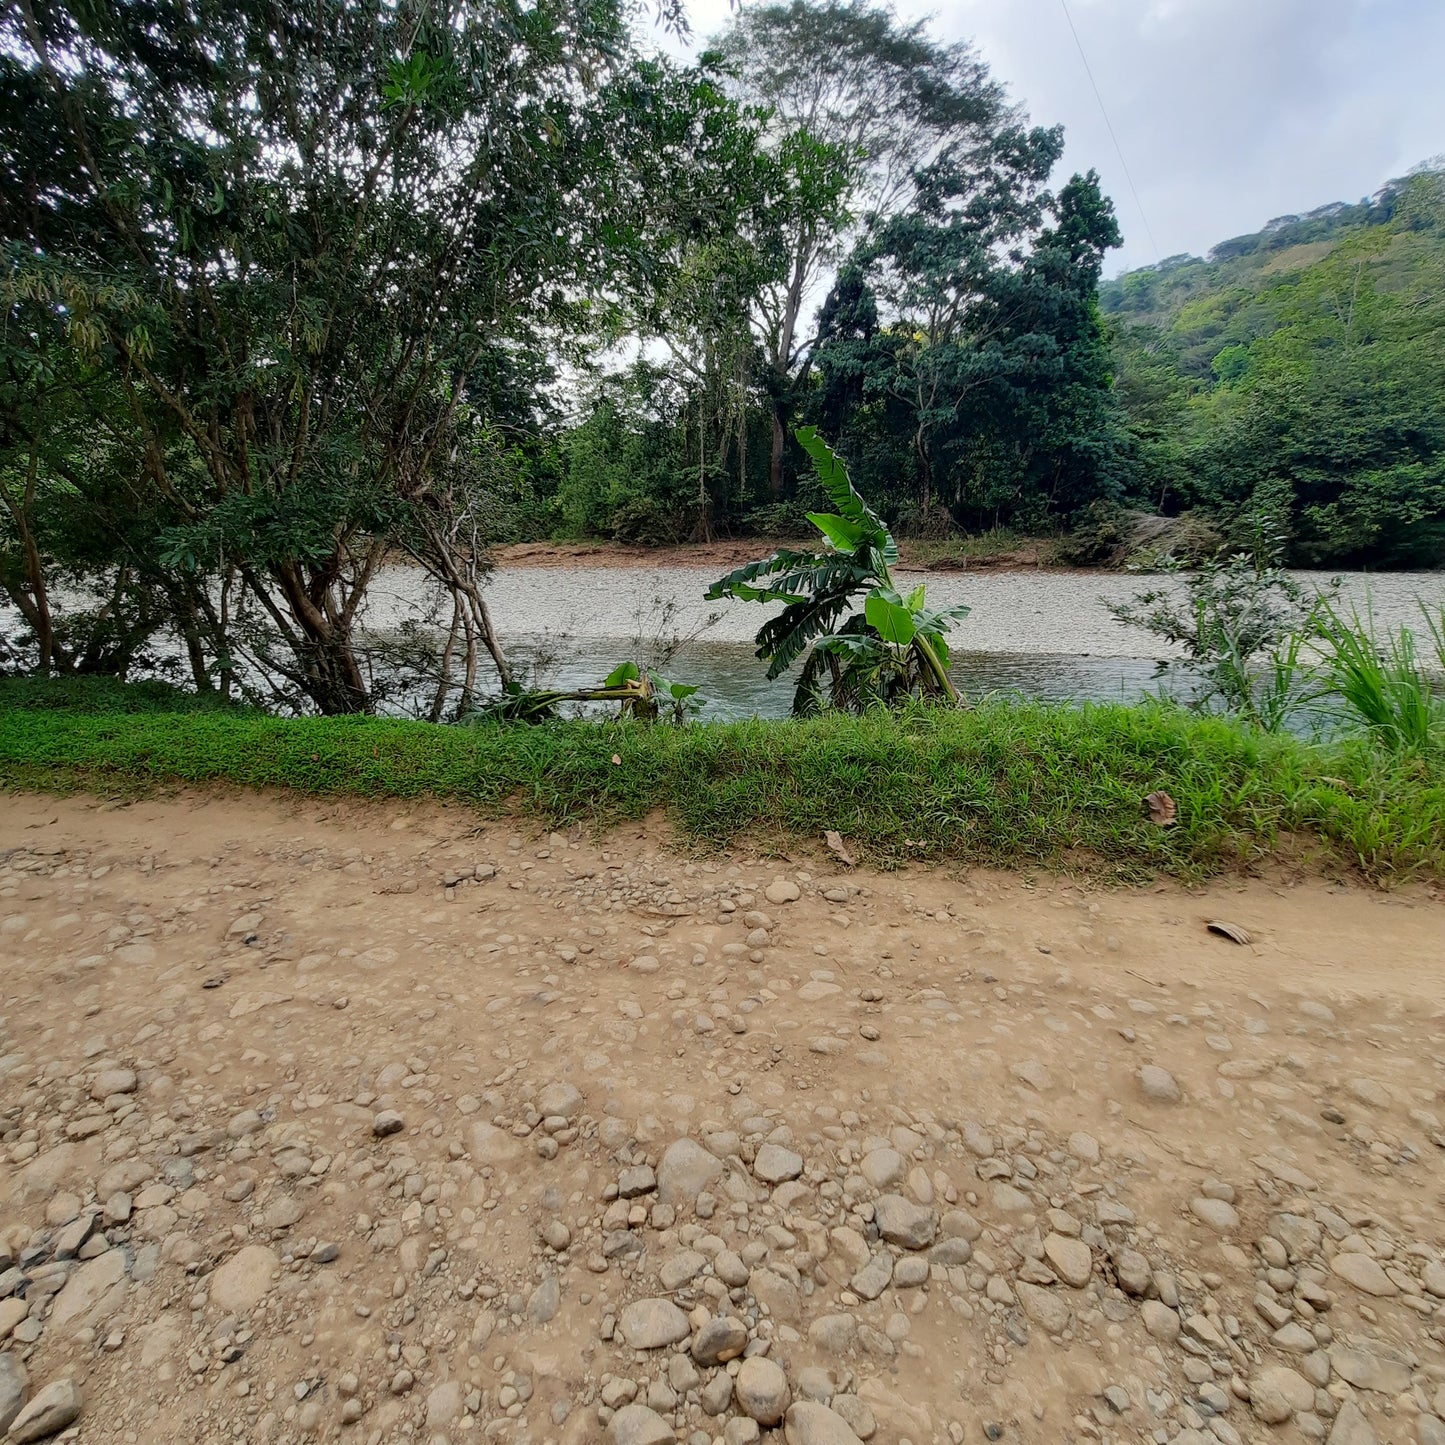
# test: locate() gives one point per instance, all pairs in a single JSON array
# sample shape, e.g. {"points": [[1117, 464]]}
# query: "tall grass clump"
{"points": [[1385, 686]]}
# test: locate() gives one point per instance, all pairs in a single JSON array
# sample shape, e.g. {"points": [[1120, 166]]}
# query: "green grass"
{"points": [[1006, 784]]}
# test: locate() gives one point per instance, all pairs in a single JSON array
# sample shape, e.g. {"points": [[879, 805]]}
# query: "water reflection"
{"points": [[733, 684]]}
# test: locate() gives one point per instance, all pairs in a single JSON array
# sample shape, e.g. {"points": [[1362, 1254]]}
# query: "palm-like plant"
{"points": [[894, 648]]}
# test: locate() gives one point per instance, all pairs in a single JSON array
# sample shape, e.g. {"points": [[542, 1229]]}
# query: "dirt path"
{"points": [[361, 1123]]}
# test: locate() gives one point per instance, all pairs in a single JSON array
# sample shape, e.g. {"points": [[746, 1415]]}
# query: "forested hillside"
{"points": [[1301, 368]]}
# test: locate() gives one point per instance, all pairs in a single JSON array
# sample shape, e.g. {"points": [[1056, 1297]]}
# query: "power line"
{"points": [[1118, 149]]}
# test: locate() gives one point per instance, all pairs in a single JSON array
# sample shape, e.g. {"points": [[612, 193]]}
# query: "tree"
{"points": [[884, 99], [965, 334], [302, 241]]}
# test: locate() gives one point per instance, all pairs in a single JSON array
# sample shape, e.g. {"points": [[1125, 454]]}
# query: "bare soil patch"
{"points": [[361, 1122]]}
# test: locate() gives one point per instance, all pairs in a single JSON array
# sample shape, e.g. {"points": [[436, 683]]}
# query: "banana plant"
{"points": [[895, 647], [641, 693]]}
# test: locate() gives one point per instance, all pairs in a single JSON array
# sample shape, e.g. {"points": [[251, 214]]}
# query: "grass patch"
{"points": [[1006, 784]]}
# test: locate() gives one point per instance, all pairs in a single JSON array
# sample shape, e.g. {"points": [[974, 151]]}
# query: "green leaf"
{"points": [[624, 672], [889, 618], [834, 477], [843, 534], [914, 601]]}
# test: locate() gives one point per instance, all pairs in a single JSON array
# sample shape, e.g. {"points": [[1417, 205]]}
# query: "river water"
{"points": [[1046, 635]]}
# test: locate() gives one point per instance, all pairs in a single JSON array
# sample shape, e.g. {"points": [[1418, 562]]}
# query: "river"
{"points": [[1041, 634]]}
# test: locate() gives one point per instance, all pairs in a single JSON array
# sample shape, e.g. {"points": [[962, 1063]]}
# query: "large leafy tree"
{"points": [[880, 98], [304, 241], [962, 359]]}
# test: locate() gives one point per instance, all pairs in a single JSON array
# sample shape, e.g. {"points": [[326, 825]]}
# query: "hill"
{"points": [[1299, 370]]}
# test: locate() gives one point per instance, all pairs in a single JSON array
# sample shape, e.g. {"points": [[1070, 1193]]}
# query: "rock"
{"points": [[773, 1164], [685, 1170], [1276, 1393], [834, 1334], [1070, 1258], [1351, 1427], [1033, 1073], [1160, 1321], [741, 1431], [873, 1278], [14, 1383], [388, 1121], [883, 1168], [717, 1394], [856, 1415], [444, 1405], [56, 1406], [1046, 1308], [1430, 1430], [761, 1389], [1159, 1085], [808, 1423], [1433, 1278], [782, 890], [721, 1339], [240, 1284], [904, 1223], [634, 1182], [680, 1268], [88, 1289], [113, 1081], [1368, 1371], [1133, 1272], [544, 1301], [637, 1425], [491, 1145], [562, 1100], [1364, 1273], [1371, 1092], [1216, 1213], [652, 1324]]}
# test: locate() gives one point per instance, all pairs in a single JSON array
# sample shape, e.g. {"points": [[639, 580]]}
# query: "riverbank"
{"points": [[993, 552], [326, 1119], [1006, 784]]}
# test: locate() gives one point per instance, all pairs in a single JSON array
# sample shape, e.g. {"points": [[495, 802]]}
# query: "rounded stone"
{"points": [[1159, 1085], [1218, 1214], [808, 1423], [653, 1324], [762, 1391]]}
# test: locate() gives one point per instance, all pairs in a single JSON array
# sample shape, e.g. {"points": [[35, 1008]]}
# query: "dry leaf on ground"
{"points": [[1162, 809], [838, 848], [1232, 931]]}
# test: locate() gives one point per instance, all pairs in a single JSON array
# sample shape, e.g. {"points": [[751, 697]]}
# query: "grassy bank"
{"points": [[1005, 784]]}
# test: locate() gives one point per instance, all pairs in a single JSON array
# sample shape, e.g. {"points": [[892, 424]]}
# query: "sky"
{"points": [[1228, 112]]}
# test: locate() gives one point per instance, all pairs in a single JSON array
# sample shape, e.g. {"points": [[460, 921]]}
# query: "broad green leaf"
{"points": [[624, 672], [914, 601], [843, 534], [892, 621]]}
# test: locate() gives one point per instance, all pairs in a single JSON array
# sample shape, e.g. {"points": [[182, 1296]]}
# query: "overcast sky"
{"points": [[1228, 112]]}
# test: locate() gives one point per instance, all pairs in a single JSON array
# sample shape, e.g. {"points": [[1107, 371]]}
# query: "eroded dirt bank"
{"points": [[360, 1123]]}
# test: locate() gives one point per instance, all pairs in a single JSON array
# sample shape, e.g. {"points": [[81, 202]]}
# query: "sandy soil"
{"points": [[367, 1123], [723, 555]]}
